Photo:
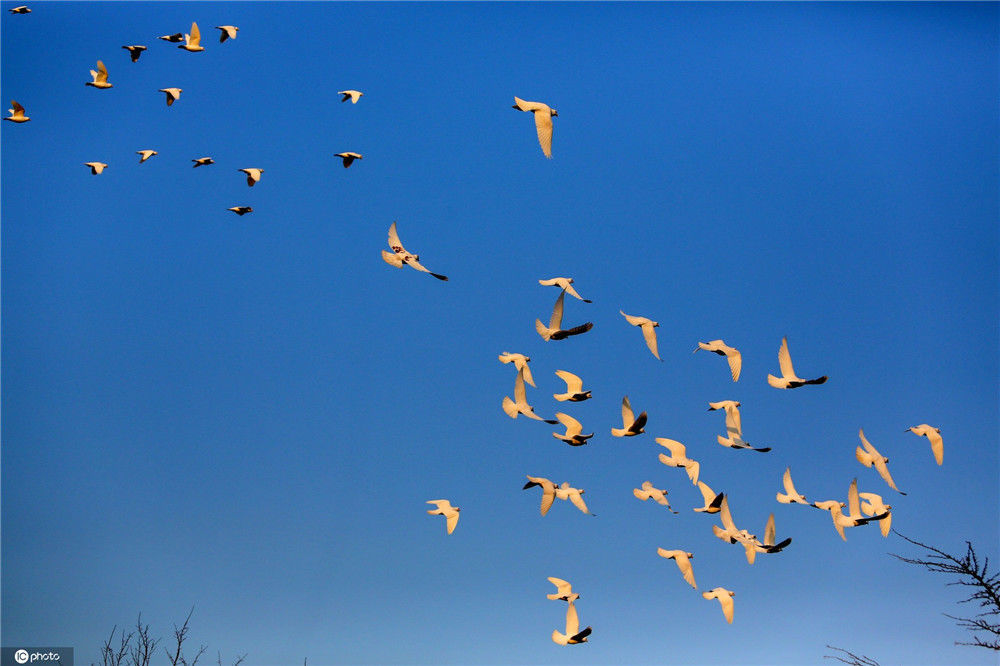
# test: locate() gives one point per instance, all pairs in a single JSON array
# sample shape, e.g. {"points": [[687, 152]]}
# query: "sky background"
{"points": [[247, 414]]}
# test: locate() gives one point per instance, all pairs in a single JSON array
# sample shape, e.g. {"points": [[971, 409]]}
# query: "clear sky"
{"points": [[247, 414]]}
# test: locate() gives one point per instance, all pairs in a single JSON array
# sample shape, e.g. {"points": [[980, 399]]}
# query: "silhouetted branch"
{"points": [[851, 658], [239, 660], [180, 635], [970, 574], [142, 652]]}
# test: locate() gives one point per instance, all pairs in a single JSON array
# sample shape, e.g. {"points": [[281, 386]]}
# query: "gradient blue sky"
{"points": [[246, 415]]}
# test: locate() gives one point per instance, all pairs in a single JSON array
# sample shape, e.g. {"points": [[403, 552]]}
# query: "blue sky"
{"points": [[246, 415]]}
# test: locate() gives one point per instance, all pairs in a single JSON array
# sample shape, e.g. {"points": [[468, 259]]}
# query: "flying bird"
{"points": [[241, 210], [768, 546], [565, 284], [713, 500], [548, 491], [722, 349], [574, 430], [648, 491], [678, 458], [96, 167], [875, 506], [788, 377], [573, 634], [574, 388], [683, 560], [23, 9], [253, 175], [520, 362], [734, 431], [134, 51], [725, 598], [729, 532], [564, 590], [173, 94], [854, 519], [444, 508], [100, 77], [934, 435], [353, 95], [554, 330], [145, 154], [631, 425], [192, 41], [519, 405], [400, 256], [790, 496], [348, 158], [574, 495], [543, 121], [16, 113], [869, 456], [648, 333], [202, 161], [226, 32]]}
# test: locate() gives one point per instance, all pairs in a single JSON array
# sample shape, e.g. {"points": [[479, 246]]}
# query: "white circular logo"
{"points": [[21, 656]]}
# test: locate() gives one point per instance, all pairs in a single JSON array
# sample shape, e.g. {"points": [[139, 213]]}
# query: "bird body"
{"points": [[788, 377], [934, 435], [348, 158], [573, 634], [678, 458], [253, 175], [192, 41], [444, 508], [790, 496], [23, 9], [869, 457], [731, 353], [631, 425], [566, 284], [353, 95], [574, 495], [173, 94], [554, 330], [400, 256], [176, 37], [725, 598], [574, 431], [734, 428], [548, 491], [647, 325], [543, 122], [519, 405], [226, 32], [574, 388], [241, 210], [202, 161], [520, 362], [683, 560], [96, 168], [875, 506], [713, 500], [134, 51], [145, 155], [100, 77], [16, 113], [648, 491], [564, 590]]}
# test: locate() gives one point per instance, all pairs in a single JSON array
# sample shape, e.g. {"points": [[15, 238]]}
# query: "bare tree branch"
{"points": [[180, 635], [986, 588], [851, 658]]}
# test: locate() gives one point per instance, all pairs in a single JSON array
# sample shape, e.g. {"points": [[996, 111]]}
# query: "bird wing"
{"points": [[578, 502], [684, 564], [451, 521], [523, 365], [769, 531], [635, 321], [727, 606], [937, 444], [520, 394], [555, 322], [16, 109], [573, 383], [786, 480], [543, 124], [194, 39], [727, 518], [785, 360], [639, 423], [853, 504], [883, 471], [573, 427], [676, 448], [628, 416], [649, 333], [868, 447], [692, 467], [392, 259], [563, 588], [102, 72], [735, 362], [706, 492], [572, 621], [733, 423], [548, 496]]}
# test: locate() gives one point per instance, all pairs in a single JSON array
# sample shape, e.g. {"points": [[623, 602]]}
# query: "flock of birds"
{"points": [[862, 507]]}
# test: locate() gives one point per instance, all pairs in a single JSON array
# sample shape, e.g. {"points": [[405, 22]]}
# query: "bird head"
{"points": [[555, 113]]}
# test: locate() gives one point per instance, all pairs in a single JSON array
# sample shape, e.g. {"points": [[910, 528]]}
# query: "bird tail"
{"points": [[509, 407]]}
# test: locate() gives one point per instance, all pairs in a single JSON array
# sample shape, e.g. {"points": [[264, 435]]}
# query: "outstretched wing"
{"points": [[628, 416], [543, 124], [649, 334], [573, 427], [735, 362], [785, 360], [555, 322], [573, 383], [195, 37]]}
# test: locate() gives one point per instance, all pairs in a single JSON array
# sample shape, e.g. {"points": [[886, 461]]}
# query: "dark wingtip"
{"points": [[440, 277], [587, 300], [551, 421], [763, 450]]}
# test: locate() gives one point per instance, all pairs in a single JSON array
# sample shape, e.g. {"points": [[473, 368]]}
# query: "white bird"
{"points": [[176, 37], [134, 51], [573, 634], [682, 558], [520, 362], [768, 546], [713, 500], [173, 94], [722, 349], [192, 41], [96, 167], [543, 121], [548, 491], [202, 161], [869, 456], [725, 598], [648, 333], [227, 32], [631, 425], [648, 491], [875, 506], [400, 256], [241, 210], [100, 77], [519, 405], [566, 284], [253, 175], [729, 532], [353, 95], [574, 388], [444, 508], [554, 330], [348, 158], [574, 495], [678, 458], [840, 521], [790, 496], [734, 429], [564, 590], [788, 377], [145, 154], [574, 430], [23, 9], [934, 435], [16, 113]]}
